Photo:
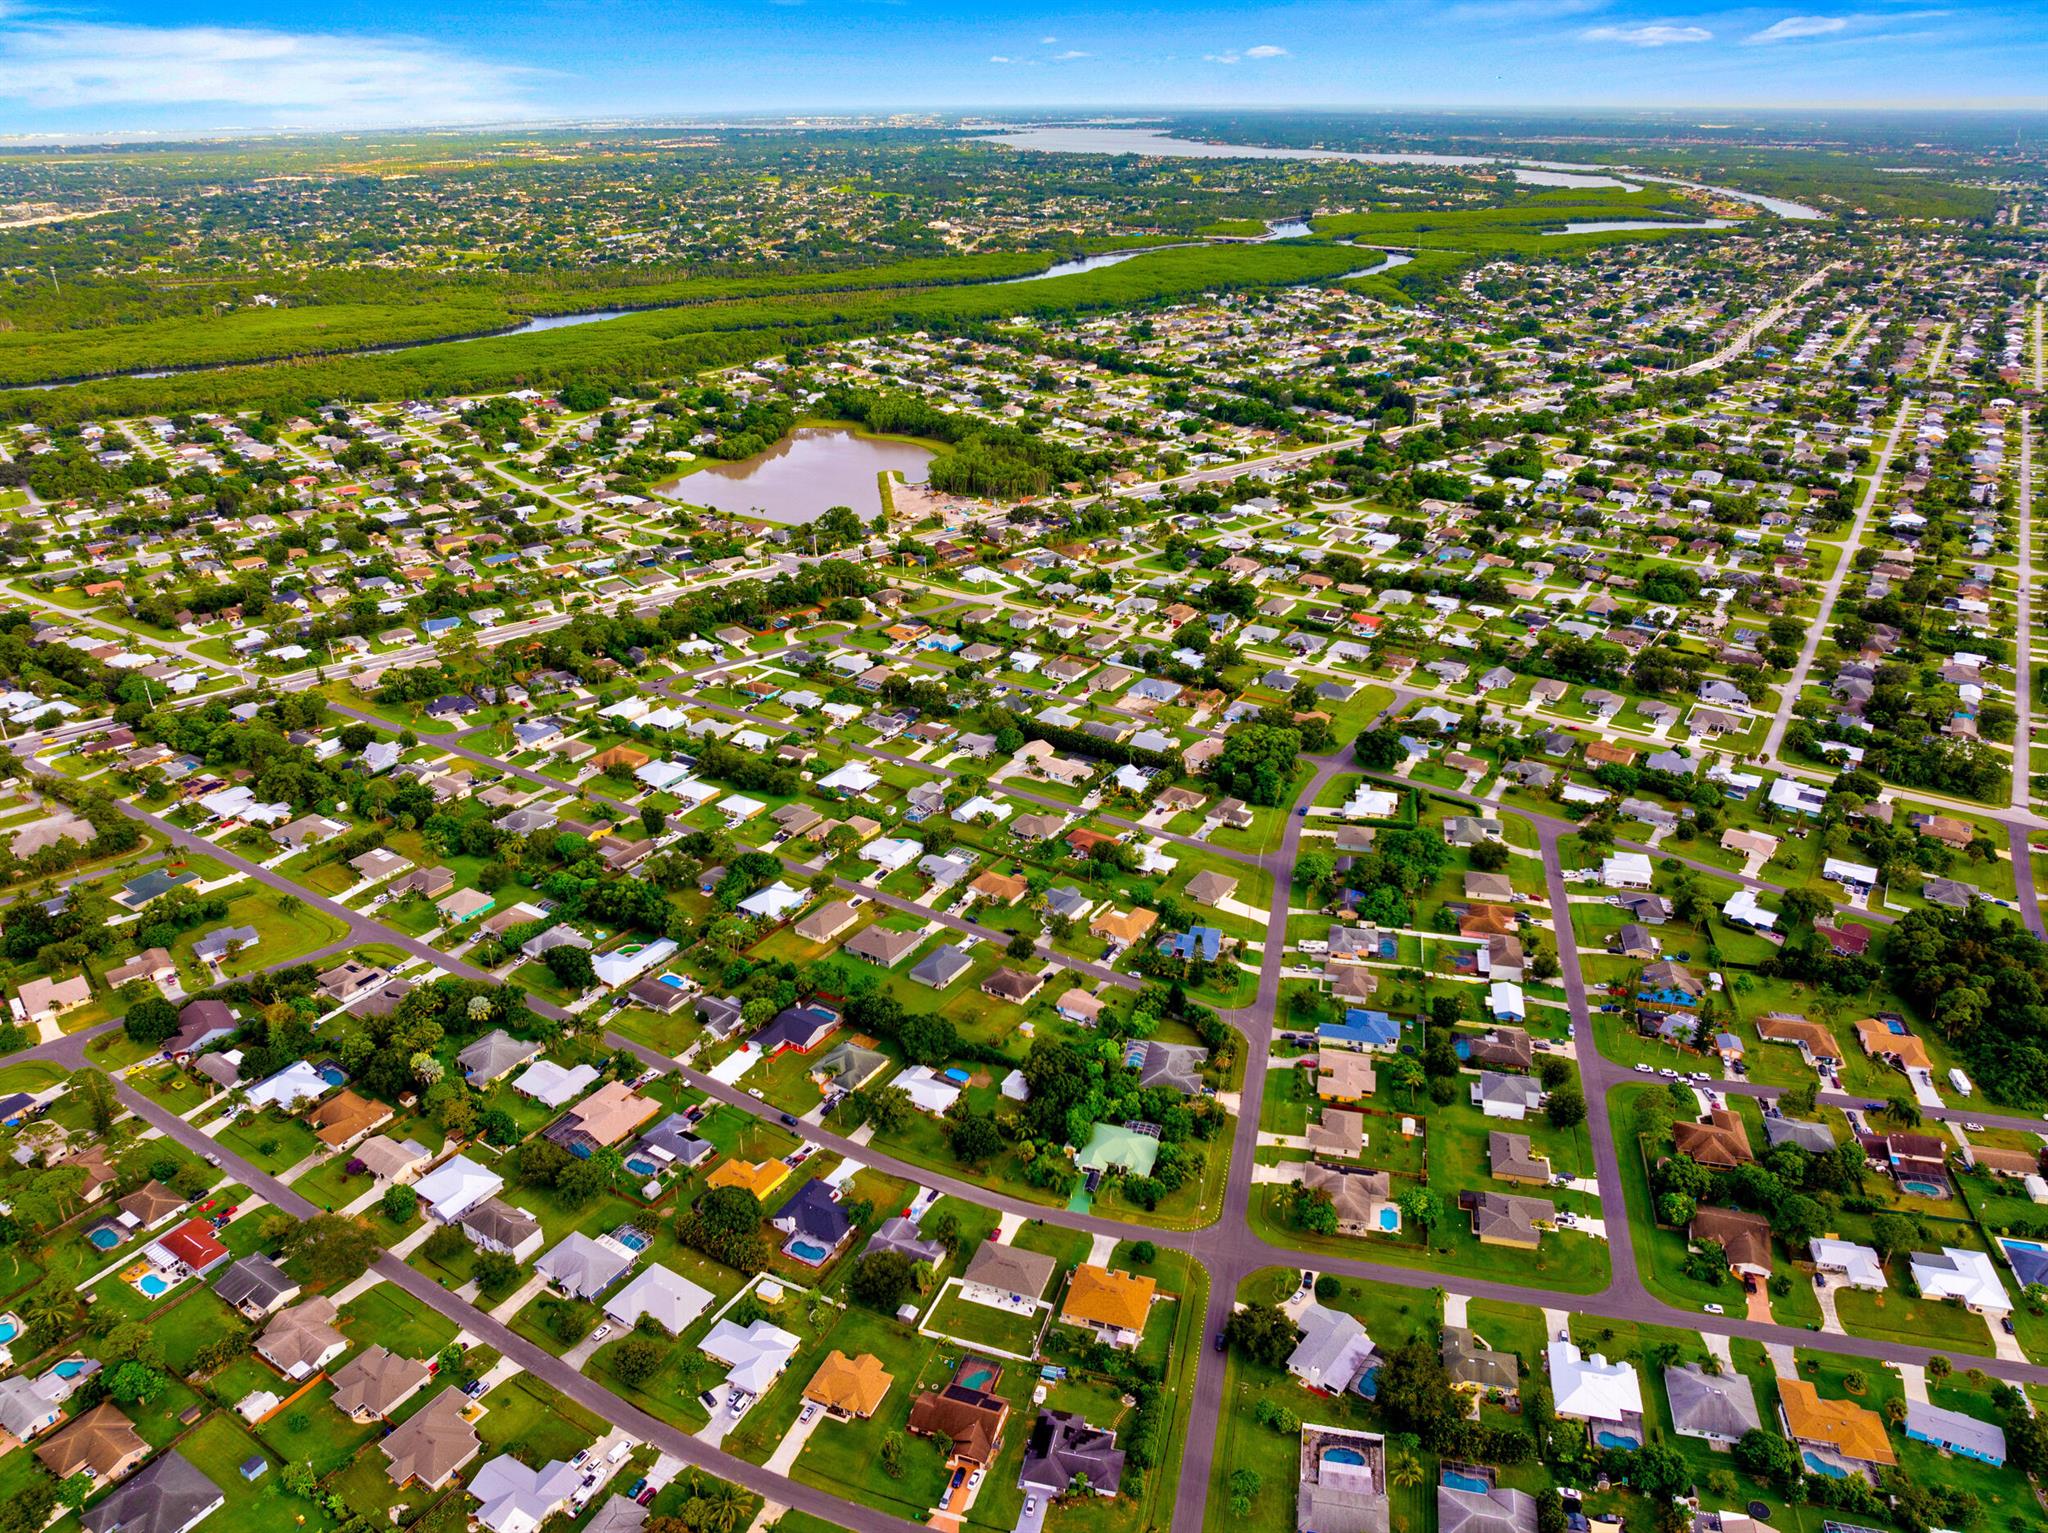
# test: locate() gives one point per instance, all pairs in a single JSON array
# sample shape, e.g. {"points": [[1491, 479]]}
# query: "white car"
{"points": [[1714, 1309], [1646, 1070], [1669, 1075], [974, 1480], [804, 1416], [601, 1332]]}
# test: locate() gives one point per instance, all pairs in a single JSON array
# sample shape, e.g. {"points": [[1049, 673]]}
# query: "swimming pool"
{"points": [[808, 1251], [2021, 1245], [334, 1075], [1463, 1046], [632, 1239], [1368, 1384], [977, 1375], [153, 1285], [1611, 1439], [1820, 1465], [640, 1167], [10, 1328], [105, 1237], [1471, 1482], [70, 1368], [1924, 1189], [1390, 1219], [1342, 1456], [673, 981]]}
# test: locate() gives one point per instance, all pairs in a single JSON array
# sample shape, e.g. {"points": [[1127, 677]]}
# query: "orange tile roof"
{"points": [[1099, 1296], [1878, 1039], [853, 1386], [1849, 1429], [1123, 926], [760, 1179]]}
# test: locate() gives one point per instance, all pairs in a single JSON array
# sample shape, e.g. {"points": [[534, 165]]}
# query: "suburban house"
{"points": [[1111, 1304]]}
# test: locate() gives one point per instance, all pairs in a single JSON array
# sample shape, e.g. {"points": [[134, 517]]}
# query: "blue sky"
{"points": [[72, 67]]}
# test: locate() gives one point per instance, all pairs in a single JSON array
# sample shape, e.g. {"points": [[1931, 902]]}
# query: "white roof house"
{"points": [[551, 1085], [297, 1082], [517, 1499], [672, 1299], [892, 852], [661, 774], [1626, 870], [754, 1354], [1333, 1349], [1742, 906], [773, 902], [928, 1092], [456, 1186], [852, 778], [1854, 874], [623, 965], [1969, 1276], [1858, 1264], [1592, 1388]]}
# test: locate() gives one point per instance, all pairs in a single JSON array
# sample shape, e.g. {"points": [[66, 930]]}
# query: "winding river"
{"points": [[1148, 141], [1157, 141]]}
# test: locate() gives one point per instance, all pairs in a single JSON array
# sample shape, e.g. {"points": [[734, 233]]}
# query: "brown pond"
{"points": [[802, 477]]}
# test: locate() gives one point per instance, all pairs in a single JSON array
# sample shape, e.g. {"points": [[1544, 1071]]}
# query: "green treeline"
{"points": [[986, 460], [664, 343]]}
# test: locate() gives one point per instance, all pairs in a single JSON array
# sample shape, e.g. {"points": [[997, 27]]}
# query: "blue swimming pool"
{"points": [[1368, 1383], [633, 1239], [1463, 1047], [1471, 1482], [2021, 1245], [153, 1285], [1607, 1438], [673, 981], [9, 1328], [334, 1075], [1342, 1456], [808, 1251], [70, 1368], [1923, 1189], [640, 1167], [105, 1237], [1390, 1219], [1820, 1465]]}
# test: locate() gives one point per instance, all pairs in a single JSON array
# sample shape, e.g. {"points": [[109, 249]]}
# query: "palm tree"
{"points": [[724, 1506], [1405, 1470], [51, 1307]]}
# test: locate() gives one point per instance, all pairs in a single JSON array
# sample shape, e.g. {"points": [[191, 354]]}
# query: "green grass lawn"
{"points": [[388, 1314], [982, 1325], [526, 1414], [218, 1446]]}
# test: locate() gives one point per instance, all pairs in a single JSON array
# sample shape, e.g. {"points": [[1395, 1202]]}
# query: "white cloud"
{"points": [[1047, 42], [1798, 26], [1238, 56], [1000, 58], [1073, 53], [294, 78], [1649, 34]]}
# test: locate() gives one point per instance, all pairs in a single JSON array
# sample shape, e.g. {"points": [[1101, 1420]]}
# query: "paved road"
{"points": [[1831, 589], [2023, 639], [541, 1364]]}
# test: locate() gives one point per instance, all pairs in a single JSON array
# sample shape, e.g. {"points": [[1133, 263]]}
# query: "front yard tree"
{"points": [[1263, 1333], [883, 1280], [571, 968], [333, 1248]]}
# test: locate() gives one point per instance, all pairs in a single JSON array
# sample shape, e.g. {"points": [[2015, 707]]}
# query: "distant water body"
{"points": [[1157, 141]]}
